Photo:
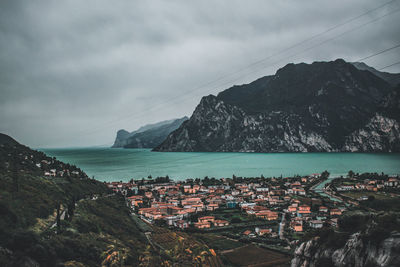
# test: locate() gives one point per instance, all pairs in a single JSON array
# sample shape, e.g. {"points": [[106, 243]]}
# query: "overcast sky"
{"points": [[74, 72]]}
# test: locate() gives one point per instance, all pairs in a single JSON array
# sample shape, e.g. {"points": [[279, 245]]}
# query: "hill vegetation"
{"points": [[53, 214], [65, 219]]}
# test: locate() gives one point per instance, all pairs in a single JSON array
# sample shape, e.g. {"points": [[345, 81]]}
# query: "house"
{"points": [[292, 208], [262, 189], [154, 215], [323, 209], [198, 207], [371, 188], [297, 227], [171, 219], [316, 224], [220, 191], [345, 188], [303, 210], [247, 205], [262, 232], [173, 210], [267, 214], [272, 215], [334, 212], [213, 206], [231, 204], [191, 201], [247, 232], [391, 182], [333, 222], [220, 223], [210, 219], [202, 225], [181, 224]]}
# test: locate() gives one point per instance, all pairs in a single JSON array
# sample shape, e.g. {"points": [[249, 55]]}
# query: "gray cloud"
{"points": [[74, 72]]}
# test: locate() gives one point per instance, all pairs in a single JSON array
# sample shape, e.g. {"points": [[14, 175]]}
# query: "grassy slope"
{"points": [[98, 230]]}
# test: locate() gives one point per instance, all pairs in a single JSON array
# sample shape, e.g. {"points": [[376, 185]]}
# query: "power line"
{"points": [[321, 43], [396, 63], [262, 60], [314, 46], [235, 154], [378, 53]]}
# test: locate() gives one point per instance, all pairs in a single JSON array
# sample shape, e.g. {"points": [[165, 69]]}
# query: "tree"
{"points": [[15, 177], [71, 208], [350, 174], [236, 220], [58, 220], [325, 174]]}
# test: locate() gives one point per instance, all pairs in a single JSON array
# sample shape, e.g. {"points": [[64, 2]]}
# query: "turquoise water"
{"points": [[108, 164], [320, 189]]}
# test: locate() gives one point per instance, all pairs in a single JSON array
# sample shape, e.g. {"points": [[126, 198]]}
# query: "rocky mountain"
{"points": [[148, 136], [356, 252], [376, 244], [392, 78], [319, 107], [5, 139]]}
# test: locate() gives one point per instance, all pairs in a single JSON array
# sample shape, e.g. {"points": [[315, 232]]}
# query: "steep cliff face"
{"points": [[121, 139], [357, 252], [154, 136], [148, 136], [379, 134], [217, 126], [324, 106]]}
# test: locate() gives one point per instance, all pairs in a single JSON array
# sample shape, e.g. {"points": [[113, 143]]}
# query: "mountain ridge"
{"points": [[317, 107], [147, 136]]}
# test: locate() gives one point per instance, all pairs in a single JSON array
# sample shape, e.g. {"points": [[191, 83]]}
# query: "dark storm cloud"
{"points": [[73, 72]]}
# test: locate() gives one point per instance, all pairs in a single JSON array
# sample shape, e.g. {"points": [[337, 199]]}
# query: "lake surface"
{"points": [[110, 164]]}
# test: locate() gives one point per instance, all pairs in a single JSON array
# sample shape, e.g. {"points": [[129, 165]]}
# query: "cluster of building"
{"points": [[29, 160], [303, 216], [58, 171], [207, 221], [176, 203], [369, 184]]}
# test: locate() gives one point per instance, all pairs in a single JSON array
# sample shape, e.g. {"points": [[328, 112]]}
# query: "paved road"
{"points": [[282, 226]]}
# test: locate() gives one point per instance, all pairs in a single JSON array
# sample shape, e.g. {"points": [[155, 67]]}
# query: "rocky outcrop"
{"points": [[121, 139], [357, 252], [216, 126], [392, 78], [9, 259], [148, 136], [319, 107], [379, 134]]}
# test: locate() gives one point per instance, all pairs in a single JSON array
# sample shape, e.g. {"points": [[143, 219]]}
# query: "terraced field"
{"points": [[183, 249], [253, 256]]}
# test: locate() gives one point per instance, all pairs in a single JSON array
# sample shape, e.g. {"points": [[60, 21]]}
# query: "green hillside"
{"points": [[63, 219]]}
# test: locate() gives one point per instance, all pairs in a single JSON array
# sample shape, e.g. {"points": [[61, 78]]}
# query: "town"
{"points": [[273, 212]]}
